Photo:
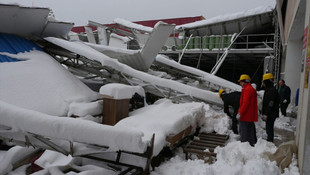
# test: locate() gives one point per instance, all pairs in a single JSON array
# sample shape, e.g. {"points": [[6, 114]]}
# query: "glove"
{"points": [[284, 101], [238, 116], [264, 117]]}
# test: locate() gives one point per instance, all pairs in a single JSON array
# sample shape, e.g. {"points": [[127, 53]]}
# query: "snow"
{"points": [[124, 39], [90, 53], [163, 118], [205, 75], [38, 94], [40, 83], [226, 17], [120, 138], [129, 24], [121, 91]]}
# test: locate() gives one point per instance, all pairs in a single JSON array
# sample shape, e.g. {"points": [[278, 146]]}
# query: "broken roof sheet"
{"points": [[14, 44], [31, 21]]}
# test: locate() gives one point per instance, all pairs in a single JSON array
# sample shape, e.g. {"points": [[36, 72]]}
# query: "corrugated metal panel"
{"points": [[30, 21], [14, 44]]}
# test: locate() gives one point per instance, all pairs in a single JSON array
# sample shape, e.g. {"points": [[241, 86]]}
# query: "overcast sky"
{"points": [[105, 11]]}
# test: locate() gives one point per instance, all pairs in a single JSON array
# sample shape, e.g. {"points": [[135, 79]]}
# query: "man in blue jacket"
{"points": [[285, 96]]}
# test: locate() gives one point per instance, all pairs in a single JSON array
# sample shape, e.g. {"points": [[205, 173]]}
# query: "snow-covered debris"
{"points": [[121, 91], [218, 81], [163, 118], [71, 129], [92, 54]]}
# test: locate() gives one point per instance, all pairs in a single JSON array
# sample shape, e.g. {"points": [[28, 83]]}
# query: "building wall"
{"points": [[290, 15], [303, 121], [293, 66]]}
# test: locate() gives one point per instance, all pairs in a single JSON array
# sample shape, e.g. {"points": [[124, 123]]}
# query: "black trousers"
{"points": [[269, 128], [283, 107], [247, 132], [234, 126]]}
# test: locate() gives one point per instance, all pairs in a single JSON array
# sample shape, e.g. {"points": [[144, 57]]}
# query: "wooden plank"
{"points": [[204, 144], [173, 139], [188, 150], [211, 142], [212, 139], [214, 135], [114, 110], [200, 148]]}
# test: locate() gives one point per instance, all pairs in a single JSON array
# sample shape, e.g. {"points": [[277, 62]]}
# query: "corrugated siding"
{"points": [[14, 44]]}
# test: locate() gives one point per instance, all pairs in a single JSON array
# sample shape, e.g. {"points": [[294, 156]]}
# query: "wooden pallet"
{"points": [[204, 144]]}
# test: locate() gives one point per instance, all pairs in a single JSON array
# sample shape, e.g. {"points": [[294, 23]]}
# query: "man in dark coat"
{"points": [[270, 109], [285, 96], [231, 100]]}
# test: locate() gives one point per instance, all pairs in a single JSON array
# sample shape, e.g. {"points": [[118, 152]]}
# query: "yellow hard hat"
{"points": [[220, 92], [244, 77], [267, 76]]}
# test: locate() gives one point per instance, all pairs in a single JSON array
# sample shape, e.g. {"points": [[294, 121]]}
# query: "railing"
{"points": [[216, 42]]}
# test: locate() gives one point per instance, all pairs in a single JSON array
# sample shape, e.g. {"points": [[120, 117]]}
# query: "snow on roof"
{"points": [[121, 91], [132, 25], [41, 84], [227, 17], [124, 39]]}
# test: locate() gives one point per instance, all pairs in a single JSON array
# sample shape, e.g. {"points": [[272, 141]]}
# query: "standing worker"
{"points": [[285, 96], [270, 110], [247, 113], [231, 100]]}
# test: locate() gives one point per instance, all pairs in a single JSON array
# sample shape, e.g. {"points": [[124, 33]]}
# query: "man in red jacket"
{"points": [[247, 112]]}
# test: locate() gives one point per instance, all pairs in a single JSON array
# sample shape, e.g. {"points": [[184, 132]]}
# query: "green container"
{"points": [[191, 44], [164, 48], [205, 42], [228, 40], [218, 42], [184, 42], [180, 47], [225, 41], [197, 42], [211, 42]]}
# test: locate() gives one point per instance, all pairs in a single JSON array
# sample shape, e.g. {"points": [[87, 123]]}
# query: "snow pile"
{"points": [[84, 109], [41, 84], [235, 158], [12, 156], [284, 123], [163, 118], [215, 121], [121, 91]]}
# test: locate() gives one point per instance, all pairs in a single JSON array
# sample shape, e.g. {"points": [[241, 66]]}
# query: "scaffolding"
{"points": [[277, 52]]}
